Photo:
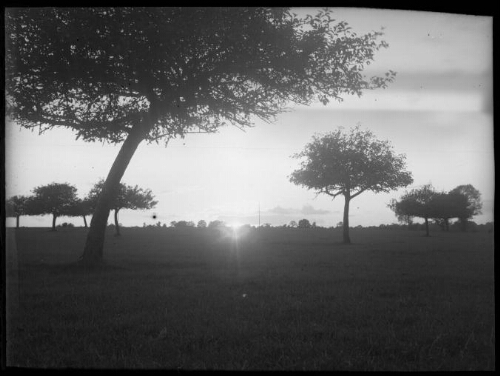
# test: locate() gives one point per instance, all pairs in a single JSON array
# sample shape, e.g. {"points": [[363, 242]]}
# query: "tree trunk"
{"points": [[426, 226], [447, 224], [17, 221], [463, 224], [93, 251], [54, 217], [345, 234], [117, 225], [85, 221]]}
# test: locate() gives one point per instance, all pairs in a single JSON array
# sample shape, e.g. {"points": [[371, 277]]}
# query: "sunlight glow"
{"points": [[235, 225]]}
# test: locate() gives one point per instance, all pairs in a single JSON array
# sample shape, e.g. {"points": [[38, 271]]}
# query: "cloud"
{"points": [[282, 211], [306, 210]]}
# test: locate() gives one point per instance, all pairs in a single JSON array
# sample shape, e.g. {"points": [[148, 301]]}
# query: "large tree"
{"points": [[57, 199], [16, 206], [127, 75], [349, 164], [129, 197], [473, 203]]}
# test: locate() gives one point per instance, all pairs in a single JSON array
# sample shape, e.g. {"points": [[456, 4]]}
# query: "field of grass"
{"points": [[271, 299]]}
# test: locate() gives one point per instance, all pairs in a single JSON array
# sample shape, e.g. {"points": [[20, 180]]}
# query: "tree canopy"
{"points": [[99, 70], [304, 223], [419, 202], [348, 164], [82, 208], [16, 206], [133, 74], [57, 199], [473, 203], [425, 202], [129, 197]]}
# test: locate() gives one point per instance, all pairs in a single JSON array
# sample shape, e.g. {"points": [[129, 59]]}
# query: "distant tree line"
{"points": [[434, 225], [61, 200], [462, 202]]}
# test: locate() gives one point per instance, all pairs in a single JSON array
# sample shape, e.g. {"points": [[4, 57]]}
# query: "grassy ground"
{"points": [[273, 299]]}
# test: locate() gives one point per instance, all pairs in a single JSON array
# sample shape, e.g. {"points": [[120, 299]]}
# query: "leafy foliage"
{"points": [[182, 224], [57, 199], [349, 164], [16, 206], [473, 200], [134, 74], [304, 223], [100, 70], [462, 202], [416, 203], [82, 207], [129, 197]]}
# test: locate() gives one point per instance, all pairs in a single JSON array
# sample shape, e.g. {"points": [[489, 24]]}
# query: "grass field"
{"points": [[272, 299]]}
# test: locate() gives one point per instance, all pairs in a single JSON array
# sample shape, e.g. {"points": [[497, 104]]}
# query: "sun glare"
{"points": [[235, 225]]}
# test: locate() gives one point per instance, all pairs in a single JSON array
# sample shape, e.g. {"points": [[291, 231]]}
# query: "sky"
{"points": [[438, 112]]}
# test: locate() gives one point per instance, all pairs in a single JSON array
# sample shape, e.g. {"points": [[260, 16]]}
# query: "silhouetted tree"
{"points": [[402, 217], [446, 206], [133, 198], [202, 223], [292, 224], [417, 203], [16, 206], [474, 204], [304, 223], [82, 208], [350, 164], [183, 224], [57, 199], [133, 74], [216, 224]]}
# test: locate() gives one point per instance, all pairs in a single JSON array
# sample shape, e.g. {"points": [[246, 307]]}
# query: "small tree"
{"points": [[133, 198], [82, 208], [350, 164], [293, 224], [402, 217], [55, 198], [16, 206], [473, 206], [202, 224], [446, 206], [418, 202], [304, 223]]}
